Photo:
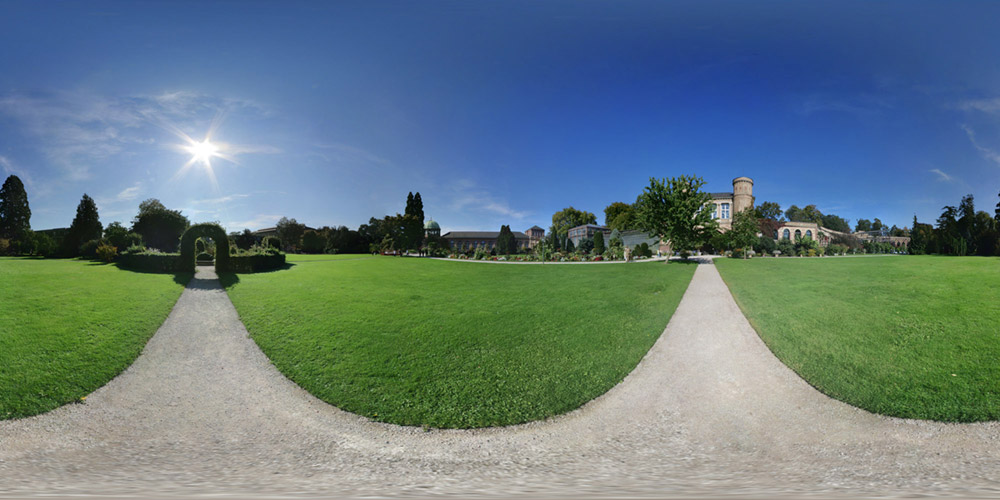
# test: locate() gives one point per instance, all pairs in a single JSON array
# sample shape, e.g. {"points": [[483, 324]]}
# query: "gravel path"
{"points": [[709, 410]]}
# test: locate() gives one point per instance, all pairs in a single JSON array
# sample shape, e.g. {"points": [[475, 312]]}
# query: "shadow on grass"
{"points": [[229, 279]]}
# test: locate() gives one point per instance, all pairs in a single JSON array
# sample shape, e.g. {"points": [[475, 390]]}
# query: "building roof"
{"points": [[595, 226], [481, 235], [721, 196], [432, 225], [535, 227]]}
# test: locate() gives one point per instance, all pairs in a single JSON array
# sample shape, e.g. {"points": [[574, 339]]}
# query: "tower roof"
{"points": [[432, 225]]}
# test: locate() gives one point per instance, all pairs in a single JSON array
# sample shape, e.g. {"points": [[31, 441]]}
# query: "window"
{"points": [[798, 234], [809, 234], [715, 211], [725, 211], [785, 234]]}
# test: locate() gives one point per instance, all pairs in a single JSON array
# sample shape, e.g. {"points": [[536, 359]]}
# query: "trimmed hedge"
{"points": [[151, 262], [254, 263], [213, 231]]}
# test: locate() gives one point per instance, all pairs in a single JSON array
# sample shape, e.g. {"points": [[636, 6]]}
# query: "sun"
{"points": [[202, 152]]}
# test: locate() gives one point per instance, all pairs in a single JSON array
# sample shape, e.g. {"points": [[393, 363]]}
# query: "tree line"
{"points": [[960, 230]]}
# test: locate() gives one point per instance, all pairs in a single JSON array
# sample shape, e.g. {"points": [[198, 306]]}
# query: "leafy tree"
{"points": [[15, 215], [313, 242], [984, 234], [569, 245], [120, 237], [673, 209], [290, 231], [86, 226], [619, 215], [808, 214], [599, 243], [159, 227], [586, 245], [570, 217], [863, 225], [770, 210], [44, 244], [877, 225], [996, 212], [415, 207], [744, 231], [243, 240], [836, 223]]}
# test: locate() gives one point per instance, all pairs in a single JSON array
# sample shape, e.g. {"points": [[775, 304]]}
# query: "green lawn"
{"points": [[327, 257], [908, 336], [454, 344], [67, 327]]}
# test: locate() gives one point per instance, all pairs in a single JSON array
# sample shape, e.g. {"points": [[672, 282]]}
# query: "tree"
{"points": [[290, 231], [86, 226], [877, 225], [619, 215], [744, 232], [836, 223], [949, 240], [863, 225], [15, 215], [599, 243], [244, 240], [996, 212], [117, 236], [808, 214], [673, 209], [506, 244], [570, 217], [586, 245], [313, 242], [770, 210], [415, 207], [159, 227]]}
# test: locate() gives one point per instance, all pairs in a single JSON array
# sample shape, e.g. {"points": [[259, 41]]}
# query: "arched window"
{"points": [[785, 234], [725, 211], [798, 234], [775, 234], [809, 234]]}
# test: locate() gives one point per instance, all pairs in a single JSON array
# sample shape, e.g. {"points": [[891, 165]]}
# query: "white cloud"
{"points": [[130, 193], [984, 105], [862, 105], [78, 131], [10, 169], [221, 200], [941, 175], [987, 153], [468, 197], [258, 222]]}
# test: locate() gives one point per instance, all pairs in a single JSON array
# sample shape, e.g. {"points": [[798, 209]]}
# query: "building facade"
{"points": [[727, 205], [535, 234], [586, 231], [461, 241]]}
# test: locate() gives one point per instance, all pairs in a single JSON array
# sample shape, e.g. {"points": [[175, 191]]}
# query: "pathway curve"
{"points": [[709, 410]]}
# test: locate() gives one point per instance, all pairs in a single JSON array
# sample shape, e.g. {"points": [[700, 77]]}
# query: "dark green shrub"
{"points": [[273, 242], [199, 246], [204, 256], [765, 245], [786, 248], [210, 230], [153, 262], [255, 262], [88, 250], [645, 250]]}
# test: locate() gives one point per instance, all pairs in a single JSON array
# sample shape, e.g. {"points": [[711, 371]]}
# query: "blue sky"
{"points": [[496, 112]]}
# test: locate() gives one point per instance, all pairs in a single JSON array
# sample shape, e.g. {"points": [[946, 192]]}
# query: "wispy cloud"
{"points": [[984, 105], [129, 193], [943, 177], [79, 131], [10, 169], [468, 197], [344, 153], [258, 222], [221, 200], [862, 105], [987, 153]]}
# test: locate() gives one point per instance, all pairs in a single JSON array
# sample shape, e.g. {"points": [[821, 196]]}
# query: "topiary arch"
{"points": [[210, 230]]}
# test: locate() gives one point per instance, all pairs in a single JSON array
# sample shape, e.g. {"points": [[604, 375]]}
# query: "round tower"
{"points": [[432, 229], [742, 194]]}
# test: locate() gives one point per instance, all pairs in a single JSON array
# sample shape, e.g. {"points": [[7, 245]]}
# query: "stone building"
{"points": [[535, 234], [729, 204], [432, 228]]}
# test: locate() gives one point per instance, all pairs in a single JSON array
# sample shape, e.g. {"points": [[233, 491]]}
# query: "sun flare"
{"points": [[203, 152]]}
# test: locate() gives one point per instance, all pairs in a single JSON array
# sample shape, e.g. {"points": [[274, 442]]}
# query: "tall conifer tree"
{"points": [[15, 215]]}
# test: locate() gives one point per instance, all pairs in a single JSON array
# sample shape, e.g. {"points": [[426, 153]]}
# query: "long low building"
{"points": [[468, 240]]}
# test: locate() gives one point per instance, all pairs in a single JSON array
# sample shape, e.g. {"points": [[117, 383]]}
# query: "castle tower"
{"points": [[742, 194]]}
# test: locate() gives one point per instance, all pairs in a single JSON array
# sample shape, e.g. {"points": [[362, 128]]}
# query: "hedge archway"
{"points": [[210, 230]]}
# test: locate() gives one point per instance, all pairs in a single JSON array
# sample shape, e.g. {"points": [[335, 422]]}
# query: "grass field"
{"points": [[908, 336], [67, 327], [453, 344]]}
